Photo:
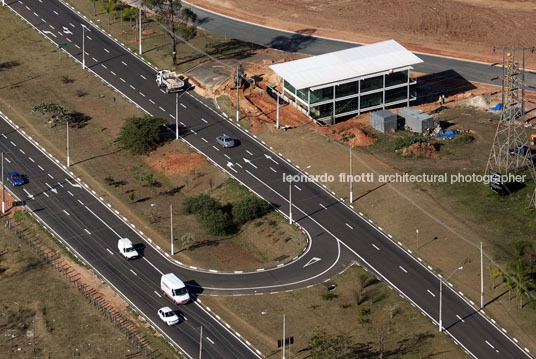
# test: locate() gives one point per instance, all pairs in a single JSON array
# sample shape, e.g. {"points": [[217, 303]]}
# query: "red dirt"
{"points": [[421, 149], [177, 163], [457, 28]]}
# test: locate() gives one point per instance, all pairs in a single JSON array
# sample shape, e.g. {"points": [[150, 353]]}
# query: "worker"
{"points": [[443, 98]]}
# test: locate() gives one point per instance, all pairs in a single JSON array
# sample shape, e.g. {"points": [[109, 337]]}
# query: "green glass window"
{"points": [[396, 78], [289, 87], [302, 94], [347, 89], [320, 111], [343, 106], [371, 84], [374, 99], [397, 94], [320, 95]]}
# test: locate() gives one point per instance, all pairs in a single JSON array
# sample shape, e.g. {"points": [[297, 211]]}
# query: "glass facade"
{"points": [[371, 84], [302, 94], [347, 89], [371, 100], [324, 94], [396, 78], [343, 106], [289, 87], [398, 94], [320, 111]]}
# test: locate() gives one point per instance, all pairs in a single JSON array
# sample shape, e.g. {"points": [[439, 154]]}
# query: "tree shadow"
{"points": [[294, 42], [8, 65], [78, 119], [115, 183]]}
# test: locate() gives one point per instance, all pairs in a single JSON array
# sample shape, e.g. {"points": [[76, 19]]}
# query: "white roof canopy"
{"points": [[345, 64]]}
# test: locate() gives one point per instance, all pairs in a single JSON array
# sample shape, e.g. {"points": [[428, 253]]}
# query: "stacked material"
{"points": [[416, 120], [383, 120]]}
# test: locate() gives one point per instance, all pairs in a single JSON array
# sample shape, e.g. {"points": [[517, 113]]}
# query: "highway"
{"points": [[338, 234]]}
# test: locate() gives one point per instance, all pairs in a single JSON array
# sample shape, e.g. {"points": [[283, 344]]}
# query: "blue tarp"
{"points": [[497, 107]]}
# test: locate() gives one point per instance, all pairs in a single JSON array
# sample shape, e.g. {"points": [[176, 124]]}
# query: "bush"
{"points": [[199, 203], [249, 208], [406, 141], [327, 295], [215, 221], [464, 138], [142, 134]]}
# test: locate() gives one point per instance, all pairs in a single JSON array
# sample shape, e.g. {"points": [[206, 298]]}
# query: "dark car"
{"points": [[225, 141], [521, 149], [16, 179]]}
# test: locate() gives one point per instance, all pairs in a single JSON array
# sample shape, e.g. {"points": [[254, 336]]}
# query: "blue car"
{"points": [[15, 178]]}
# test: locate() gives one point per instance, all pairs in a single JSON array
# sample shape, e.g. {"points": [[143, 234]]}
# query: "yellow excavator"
{"points": [[533, 139]]}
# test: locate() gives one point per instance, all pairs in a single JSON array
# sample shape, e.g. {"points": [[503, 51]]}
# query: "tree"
{"points": [[323, 345], [130, 13], [110, 7], [199, 203], [142, 134], [186, 240], [495, 273], [248, 208], [176, 18], [59, 113], [381, 330], [359, 289]]}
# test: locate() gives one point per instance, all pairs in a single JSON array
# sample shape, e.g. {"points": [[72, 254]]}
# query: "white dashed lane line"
{"points": [[251, 154], [216, 148], [72, 24], [134, 272], [158, 294], [321, 205], [88, 232], [183, 105], [227, 157], [82, 203], [429, 291], [13, 143], [103, 66], [31, 159], [122, 79], [205, 121], [460, 318], [160, 107], [67, 213], [36, 14], [204, 139], [210, 340], [7, 160], [132, 87], [49, 175], [349, 226], [151, 101], [376, 247], [55, 12], [72, 195], [106, 50], [68, 39], [298, 188], [28, 8], [143, 77], [141, 94], [4, 135], [52, 27], [94, 59], [113, 73], [273, 170], [124, 63], [403, 270], [112, 253], [89, 38], [21, 151], [41, 168]]}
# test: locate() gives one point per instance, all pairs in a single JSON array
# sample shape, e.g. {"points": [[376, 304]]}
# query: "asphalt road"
{"points": [[339, 235]]}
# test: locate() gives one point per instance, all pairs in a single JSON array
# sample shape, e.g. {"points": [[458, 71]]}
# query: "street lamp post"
{"points": [[351, 178], [201, 342], [277, 112], [140, 28], [68, 147], [3, 189], [171, 226], [237, 82], [417, 232], [290, 203], [284, 324], [481, 277], [176, 115], [84, 28], [441, 297]]}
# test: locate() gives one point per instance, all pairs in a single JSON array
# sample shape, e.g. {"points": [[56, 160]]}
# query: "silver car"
{"points": [[168, 316], [225, 141]]}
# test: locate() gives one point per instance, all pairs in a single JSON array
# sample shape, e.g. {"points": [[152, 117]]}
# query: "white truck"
{"points": [[127, 249], [169, 81], [174, 288]]}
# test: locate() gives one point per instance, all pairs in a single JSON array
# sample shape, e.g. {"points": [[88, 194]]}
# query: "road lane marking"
{"points": [[20, 149], [122, 79], [78, 47], [112, 253], [205, 121], [107, 50], [94, 59], [50, 187], [158, 294], [143, 77], [7, 160], [113, 73], [35, 14], [238, 164], [312, 261], [43, 20], [28, 193], [204, 139], [248, 161], [460, 318], [104, 66], [67, 213], [59, 184], [151, 101], [4, 135], [227, 156], [55, 12], [273, 170], [28, 8], [124, 63], [429, 291], [88, 232], [41, 168], [183, 105], [132, 87], [152, 265], [298, 188], [141, 93], [74, 185], [72, 24], [31, 159], [82, 203], [52, 27], [134, 272], [49, 175], [100, 219], [70, 193], [251, 154], [375, 246], [13, 143], [160, 107], [68, 39], [216, 148], [349, 226], [162, 91], [89, 38], [488, 343], [210, 340], [403, 270], [321, 205]]}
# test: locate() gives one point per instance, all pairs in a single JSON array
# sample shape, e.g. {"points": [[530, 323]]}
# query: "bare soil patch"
{"points": [[177, 163]]}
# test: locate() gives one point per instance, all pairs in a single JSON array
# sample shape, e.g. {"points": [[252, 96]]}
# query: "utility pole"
{"points": [[3, 189], [441, 297], [176, 115], [68, 148], [83, 47], [140, 28], [284, 323], [277, 112], [171, 226], [237, 82], [290, 202], [351, 178], [417, 231], [481, 277], [201, 342]]}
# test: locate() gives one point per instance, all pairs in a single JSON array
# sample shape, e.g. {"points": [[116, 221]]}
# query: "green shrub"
{"points": [[248, 208], [199, 203], [327, 295], [215, 221], [406, 141], [464, 138], [142, 134]]}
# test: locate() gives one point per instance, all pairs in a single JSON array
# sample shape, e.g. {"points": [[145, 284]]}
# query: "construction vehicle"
{"points": [[169, 81], [533, 139]]}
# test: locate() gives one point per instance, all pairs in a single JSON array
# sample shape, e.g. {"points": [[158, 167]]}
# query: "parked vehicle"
{"points": [[168, 316], [174, 289], [127, 249], [16, 179], [225, 141], [521, 149], [169, 81]]}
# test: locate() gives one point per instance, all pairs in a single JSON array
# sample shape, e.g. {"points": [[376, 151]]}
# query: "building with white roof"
{"points": [[349, 81]]}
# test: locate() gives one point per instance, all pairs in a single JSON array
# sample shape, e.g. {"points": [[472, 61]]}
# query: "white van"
{"points": [[174, 288], [127, 249]]}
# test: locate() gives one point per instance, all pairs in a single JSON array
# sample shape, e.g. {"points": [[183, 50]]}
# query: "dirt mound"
{"points": [[177, 163], [420, 149], [481, 102], [352, 132]]}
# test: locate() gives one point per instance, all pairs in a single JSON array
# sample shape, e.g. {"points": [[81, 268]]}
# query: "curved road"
{"points": [[339, 235]]}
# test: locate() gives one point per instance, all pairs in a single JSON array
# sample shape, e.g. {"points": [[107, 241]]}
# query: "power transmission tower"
{"points": [[510, 152]]}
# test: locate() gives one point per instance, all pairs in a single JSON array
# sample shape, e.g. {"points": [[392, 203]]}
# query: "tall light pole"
{"points": [[201, 342], [481, 276], [68, 148], [277, 113], [140, 27], [176, 115], [351, 178], [3, 189], [171, 226], [441, 297], [237, 81], [417, 232], [84, 28], [284, 324], [290, 202]]}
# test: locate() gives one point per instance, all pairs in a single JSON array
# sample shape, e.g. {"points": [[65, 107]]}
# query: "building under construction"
{"points": [[349, 81]]}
